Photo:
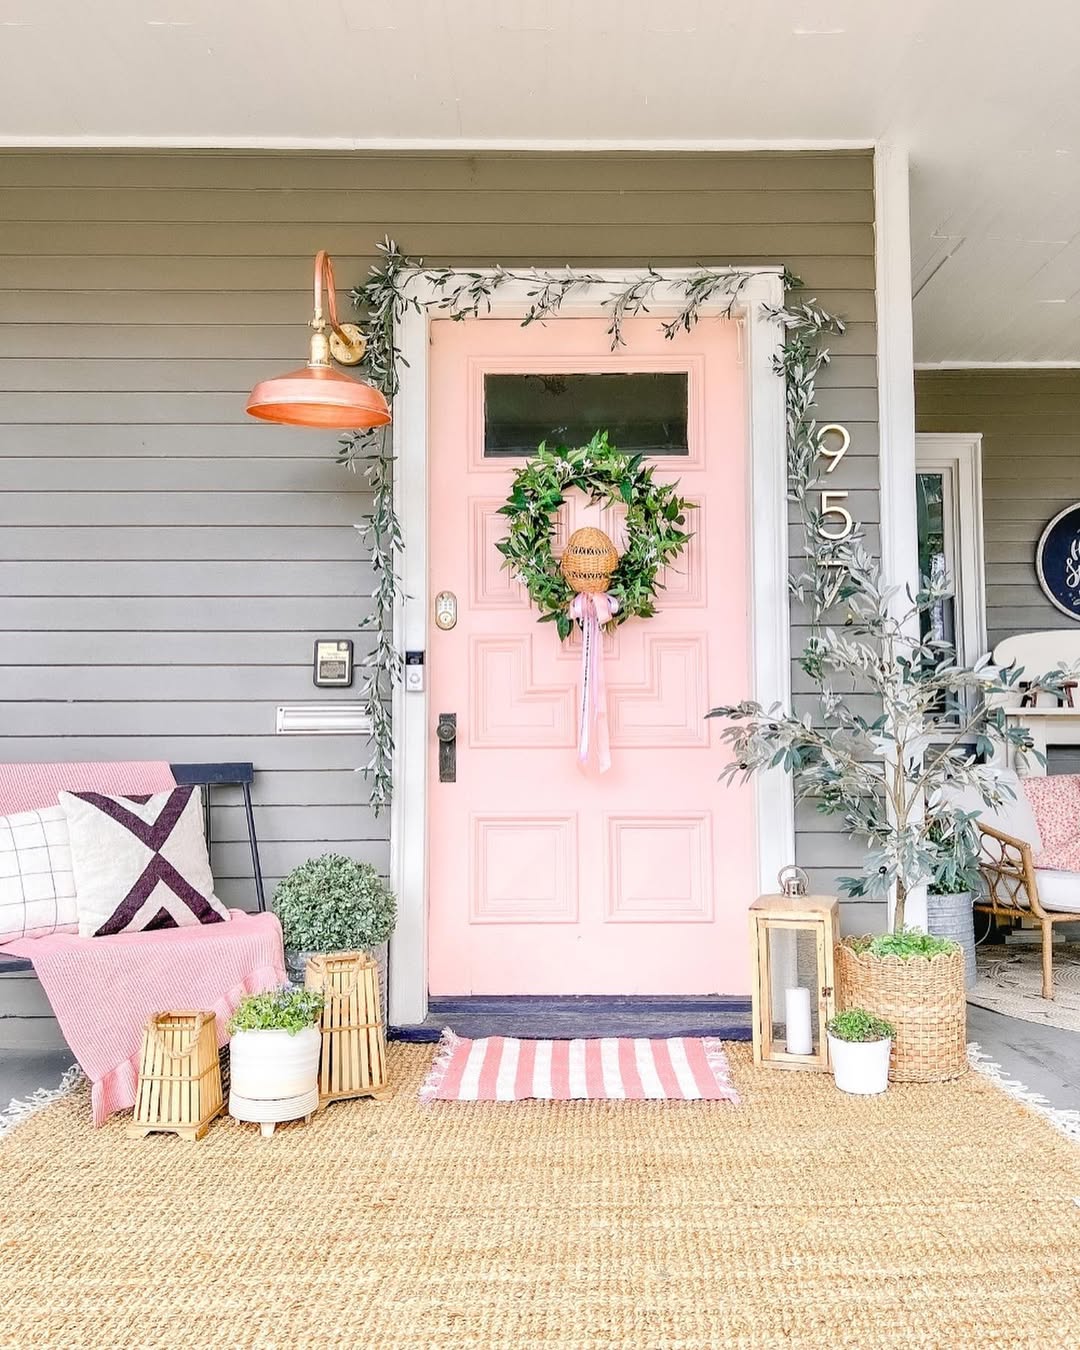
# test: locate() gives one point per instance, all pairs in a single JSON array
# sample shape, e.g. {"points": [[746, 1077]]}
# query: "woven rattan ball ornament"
{"points": [[589, 560]]}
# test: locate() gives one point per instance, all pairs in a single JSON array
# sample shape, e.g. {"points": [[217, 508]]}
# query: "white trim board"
{"points": [[960, 455], [997, 365], [895, 363], [896, 398], [769, 620], [349, 143]]}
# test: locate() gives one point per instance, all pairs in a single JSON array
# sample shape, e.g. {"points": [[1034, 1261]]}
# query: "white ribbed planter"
{"points": [[860, 1067], [951, 916], [274, 1076]]}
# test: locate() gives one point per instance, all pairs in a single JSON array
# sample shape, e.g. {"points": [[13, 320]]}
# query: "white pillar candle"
{"points": [[797, 1013]]}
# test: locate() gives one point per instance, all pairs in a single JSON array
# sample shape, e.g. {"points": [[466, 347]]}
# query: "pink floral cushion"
{"points": [[1055, 800]]}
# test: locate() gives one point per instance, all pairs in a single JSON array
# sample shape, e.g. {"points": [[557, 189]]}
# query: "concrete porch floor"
{"points": [[1045, 1059]]}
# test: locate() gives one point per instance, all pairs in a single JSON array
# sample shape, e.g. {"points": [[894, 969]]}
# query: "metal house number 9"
{"points": [[833, 443]]}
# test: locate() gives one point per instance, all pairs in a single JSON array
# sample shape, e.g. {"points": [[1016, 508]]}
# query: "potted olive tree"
{"points": [[334, 904], [899, 731], [274, 1057], [859, 1045]]}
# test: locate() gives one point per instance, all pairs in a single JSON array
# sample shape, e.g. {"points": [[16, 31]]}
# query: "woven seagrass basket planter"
{"points": [[923, 999]]}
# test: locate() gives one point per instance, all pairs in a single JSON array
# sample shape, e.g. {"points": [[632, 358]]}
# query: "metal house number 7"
{"points": [[831, 500]]}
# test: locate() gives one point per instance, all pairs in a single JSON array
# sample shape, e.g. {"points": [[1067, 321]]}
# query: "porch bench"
{"points": [[205, 777], [101, 989]]}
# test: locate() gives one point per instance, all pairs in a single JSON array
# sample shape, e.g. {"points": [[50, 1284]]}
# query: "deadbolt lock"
{"points": [[446, 610]]}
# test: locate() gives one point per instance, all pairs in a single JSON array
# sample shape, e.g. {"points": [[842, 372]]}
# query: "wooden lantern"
{"points": [[792, 936], [589, 560], [179, 1086], [353, 1059]]}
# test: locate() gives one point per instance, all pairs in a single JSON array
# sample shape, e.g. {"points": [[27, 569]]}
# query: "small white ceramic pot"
{"points": [[274, 1075], [860, 1067]]}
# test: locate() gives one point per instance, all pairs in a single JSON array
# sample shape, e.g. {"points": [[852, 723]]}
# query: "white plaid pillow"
{"points": [[37, 886]]}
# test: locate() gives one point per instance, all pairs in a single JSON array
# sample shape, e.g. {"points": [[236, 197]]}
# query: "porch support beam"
{"points": [[896, 396]]}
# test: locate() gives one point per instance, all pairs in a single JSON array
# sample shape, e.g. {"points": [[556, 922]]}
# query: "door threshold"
{"points": [[583, 1016]]}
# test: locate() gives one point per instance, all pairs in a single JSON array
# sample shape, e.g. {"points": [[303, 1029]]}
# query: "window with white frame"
{"points": [[948, 495]]}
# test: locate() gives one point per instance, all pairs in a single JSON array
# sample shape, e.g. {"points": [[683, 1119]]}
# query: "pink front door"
{"points": [[545, 879]]}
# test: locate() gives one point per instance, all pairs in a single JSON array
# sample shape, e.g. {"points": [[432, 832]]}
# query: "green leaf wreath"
{"points": [[655, 517]]}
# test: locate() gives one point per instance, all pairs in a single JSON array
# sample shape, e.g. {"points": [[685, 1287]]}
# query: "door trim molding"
{"points": [[960, 452], [767, 514]]}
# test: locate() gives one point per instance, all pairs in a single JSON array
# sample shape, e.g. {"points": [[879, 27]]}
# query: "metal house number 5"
{"points": [[833, 443]]}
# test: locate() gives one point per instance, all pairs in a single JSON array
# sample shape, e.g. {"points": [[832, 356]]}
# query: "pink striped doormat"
{"points": [[504, 1069]]}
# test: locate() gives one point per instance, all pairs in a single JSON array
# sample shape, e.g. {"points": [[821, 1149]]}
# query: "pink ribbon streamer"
{"points": [[592, 611]]}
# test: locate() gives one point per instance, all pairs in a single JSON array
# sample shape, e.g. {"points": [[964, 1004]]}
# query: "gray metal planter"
{"points": [[951, 916]]}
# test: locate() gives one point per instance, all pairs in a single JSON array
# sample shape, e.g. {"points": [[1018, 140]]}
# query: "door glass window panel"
{"points": [[643, 412], [937, 564]]}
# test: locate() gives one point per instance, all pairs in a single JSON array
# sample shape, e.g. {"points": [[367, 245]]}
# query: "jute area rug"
{"points": [[1010, 981], [935, 1216]]}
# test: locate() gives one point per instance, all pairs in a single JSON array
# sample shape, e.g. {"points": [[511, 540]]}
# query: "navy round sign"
{"points": [[1057, 561]]}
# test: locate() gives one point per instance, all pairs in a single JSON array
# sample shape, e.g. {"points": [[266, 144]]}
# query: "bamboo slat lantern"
{"points": [[353, 1060], [792, 936], [179, 1086]]}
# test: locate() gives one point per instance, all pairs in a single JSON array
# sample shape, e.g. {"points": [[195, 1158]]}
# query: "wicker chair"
{"points": [[1015, 888]]}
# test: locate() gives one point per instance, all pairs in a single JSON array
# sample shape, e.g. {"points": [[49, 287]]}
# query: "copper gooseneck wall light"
{"points": [[317, 395]]}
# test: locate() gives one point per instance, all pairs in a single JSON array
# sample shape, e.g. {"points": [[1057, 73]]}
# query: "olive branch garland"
{"points": [[384, 299], [655, 516]]}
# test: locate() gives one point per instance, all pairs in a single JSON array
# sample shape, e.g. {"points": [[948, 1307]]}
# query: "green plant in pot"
{"points": [[859, 1045], [274, 1057], [333, 904], [900, 730]]}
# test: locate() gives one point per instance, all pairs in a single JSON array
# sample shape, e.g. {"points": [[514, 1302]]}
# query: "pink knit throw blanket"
{"points": [[26, 787], [103, 990]]}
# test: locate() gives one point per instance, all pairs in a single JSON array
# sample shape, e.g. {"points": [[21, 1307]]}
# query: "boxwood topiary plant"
{"points": [[333, 904]]}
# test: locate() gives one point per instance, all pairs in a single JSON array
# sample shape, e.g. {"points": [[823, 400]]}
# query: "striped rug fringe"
{"points": [[1066, 1122], [20, 1111], [448, 1043], [509, 1068]]}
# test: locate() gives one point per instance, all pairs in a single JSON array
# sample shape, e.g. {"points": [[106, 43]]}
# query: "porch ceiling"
{"points": [[983, 94]]}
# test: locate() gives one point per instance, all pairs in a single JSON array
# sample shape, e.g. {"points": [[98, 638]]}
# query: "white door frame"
{"points": [[959, 454], [767, 516]]}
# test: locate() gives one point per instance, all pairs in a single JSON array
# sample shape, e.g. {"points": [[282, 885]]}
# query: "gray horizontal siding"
{"points": [[1030, 425], [164, 562], [270, 174]]}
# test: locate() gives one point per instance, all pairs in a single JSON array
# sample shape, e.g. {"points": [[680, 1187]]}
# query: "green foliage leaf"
{"points": [[911, 944], [284, 1009], [603, 474], [855, 1024]]}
